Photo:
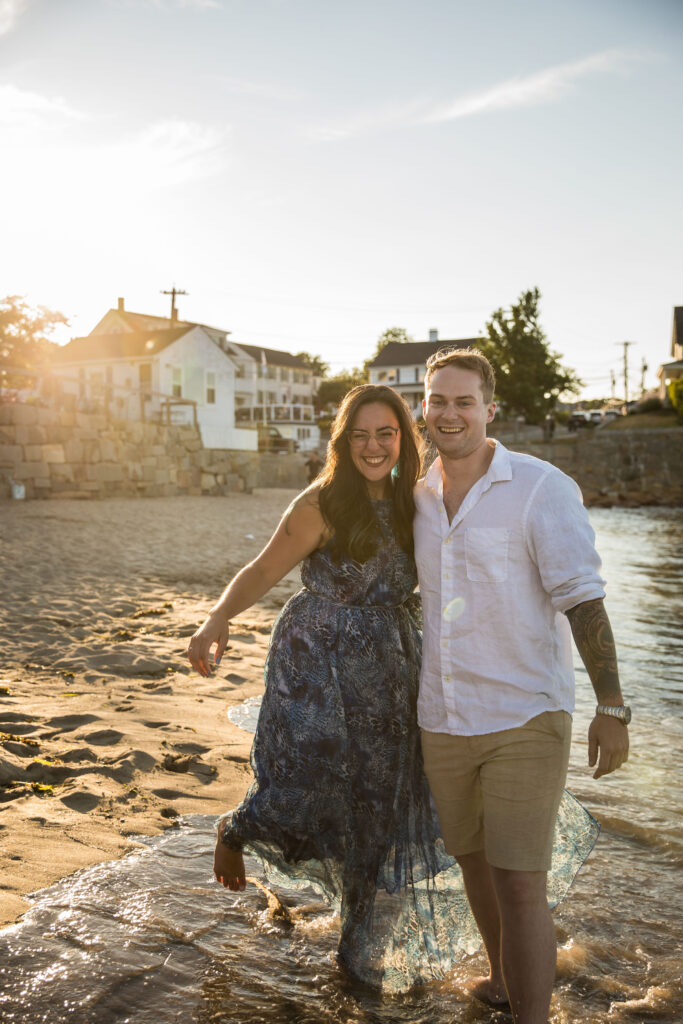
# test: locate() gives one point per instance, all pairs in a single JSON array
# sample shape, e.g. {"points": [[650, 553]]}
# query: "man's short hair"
{"points": [[464, 359]]}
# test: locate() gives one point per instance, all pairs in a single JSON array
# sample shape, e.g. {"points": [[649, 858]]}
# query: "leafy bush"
{"points": [[675, 391]]}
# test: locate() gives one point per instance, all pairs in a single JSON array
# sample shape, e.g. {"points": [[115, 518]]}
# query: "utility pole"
{"points": [[613, 382], [626, 345], [643, 370], [173, 292]]}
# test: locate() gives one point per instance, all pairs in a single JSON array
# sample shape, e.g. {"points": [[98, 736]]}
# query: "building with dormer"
{"points": [[402, 365]]}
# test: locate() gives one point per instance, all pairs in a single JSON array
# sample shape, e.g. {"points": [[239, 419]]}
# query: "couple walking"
{"points": [[418, 782]]}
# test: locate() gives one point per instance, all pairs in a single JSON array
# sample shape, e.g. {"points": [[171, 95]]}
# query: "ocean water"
{"points": [[152, 937]]}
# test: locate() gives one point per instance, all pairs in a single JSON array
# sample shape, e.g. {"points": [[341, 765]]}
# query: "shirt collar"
{"points": [[499, 469]]}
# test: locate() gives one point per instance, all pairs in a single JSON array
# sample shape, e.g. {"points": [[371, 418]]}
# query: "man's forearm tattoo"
{"points": [[595, 642]]}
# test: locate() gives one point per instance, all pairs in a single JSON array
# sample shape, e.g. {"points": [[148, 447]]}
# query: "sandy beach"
{"points": [[105, 732]]}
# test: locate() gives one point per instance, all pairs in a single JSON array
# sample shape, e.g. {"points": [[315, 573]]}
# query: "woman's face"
{"points": [[374, 440]]}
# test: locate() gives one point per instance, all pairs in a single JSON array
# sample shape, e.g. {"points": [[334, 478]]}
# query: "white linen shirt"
{"points": [[495, 585]]}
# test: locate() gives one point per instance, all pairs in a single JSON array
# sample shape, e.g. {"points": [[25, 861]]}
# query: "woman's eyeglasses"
{"points": [[385, 437]]}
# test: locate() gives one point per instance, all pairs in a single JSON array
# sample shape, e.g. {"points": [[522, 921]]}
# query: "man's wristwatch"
{"points": [[622, 712]]}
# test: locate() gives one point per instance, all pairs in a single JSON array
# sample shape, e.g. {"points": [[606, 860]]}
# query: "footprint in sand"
{"points": [[104, 737], [191, 748], [82, 801], [66, 723], [176, 794]]}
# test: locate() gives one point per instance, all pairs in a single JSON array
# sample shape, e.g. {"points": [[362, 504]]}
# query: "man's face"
{"points": [[455, 412]]}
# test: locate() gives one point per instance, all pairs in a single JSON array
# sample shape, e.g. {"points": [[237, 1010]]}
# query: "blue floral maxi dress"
{"points": [[339, 800]]}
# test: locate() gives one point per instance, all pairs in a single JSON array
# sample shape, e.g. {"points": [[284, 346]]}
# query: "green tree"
{"points": [[316, 363], [333, 389], [24, 342], [391, 334], [529, 377]]}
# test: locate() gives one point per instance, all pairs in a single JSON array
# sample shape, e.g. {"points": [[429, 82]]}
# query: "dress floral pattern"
{"points": [[339, 800]]}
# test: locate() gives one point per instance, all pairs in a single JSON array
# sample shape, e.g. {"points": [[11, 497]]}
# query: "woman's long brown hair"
{"points": [[344, 501]]}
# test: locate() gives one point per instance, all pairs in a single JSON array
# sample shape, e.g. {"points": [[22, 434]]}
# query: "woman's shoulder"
{"points": [[303, 514]]}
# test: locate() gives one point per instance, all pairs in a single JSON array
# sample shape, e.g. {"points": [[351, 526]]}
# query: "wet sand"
{"points": [[105, 731]]}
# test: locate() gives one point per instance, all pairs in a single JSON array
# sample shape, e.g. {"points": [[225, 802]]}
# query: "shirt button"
{"points": [[446, 575]]}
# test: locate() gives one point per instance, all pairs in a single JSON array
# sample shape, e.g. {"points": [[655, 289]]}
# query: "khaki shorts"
{"points": [[500, 792]]}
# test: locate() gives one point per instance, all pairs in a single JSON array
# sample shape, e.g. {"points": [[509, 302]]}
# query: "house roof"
{"points": [[273, 356], [143, 322], [122, 345], [677, 334], [399, 353]]}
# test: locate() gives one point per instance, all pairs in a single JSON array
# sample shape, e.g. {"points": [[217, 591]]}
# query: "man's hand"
{"points": [[609, 736]]}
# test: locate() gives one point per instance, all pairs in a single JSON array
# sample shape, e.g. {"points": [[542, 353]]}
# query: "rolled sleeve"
{"points": [[561, 542]]}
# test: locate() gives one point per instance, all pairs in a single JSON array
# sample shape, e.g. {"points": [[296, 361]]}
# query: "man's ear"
{"points": [[491, 412]]}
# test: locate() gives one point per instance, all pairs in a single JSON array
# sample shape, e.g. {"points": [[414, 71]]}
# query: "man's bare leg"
{"points": [[482, 899], [528, 945]]}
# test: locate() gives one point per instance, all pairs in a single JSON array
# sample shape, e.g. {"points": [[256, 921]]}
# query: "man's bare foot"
{"points": [[228, 867], [489, 991]]}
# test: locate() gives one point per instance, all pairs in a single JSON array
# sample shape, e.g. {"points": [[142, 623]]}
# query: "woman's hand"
{"points": [[214, 630]]}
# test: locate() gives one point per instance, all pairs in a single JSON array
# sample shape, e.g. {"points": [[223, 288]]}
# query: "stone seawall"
{"points": [[72, 454], [622, 467], [68, 454]]}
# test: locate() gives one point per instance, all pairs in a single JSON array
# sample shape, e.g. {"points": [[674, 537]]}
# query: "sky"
{"points": [[312, 172]]}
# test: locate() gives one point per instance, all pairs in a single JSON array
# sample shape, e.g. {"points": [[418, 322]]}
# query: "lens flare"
{"points": [[454, 609]]}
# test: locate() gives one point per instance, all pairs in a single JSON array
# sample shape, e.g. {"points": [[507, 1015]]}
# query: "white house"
{"points": [[142, 367], [402, 365], [276, 389], [673, 370]]}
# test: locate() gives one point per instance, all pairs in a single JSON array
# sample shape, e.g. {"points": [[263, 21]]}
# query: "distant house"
{"points": [[277, 389], [159, 368], [402, 365], [673, 370], [138, 367]]}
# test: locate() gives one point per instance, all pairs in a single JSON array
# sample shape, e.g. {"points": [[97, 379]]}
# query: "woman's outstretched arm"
{"points": [[301, 530]]}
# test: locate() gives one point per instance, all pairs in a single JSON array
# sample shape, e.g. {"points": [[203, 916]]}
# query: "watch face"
{"points": [[627, 716]]}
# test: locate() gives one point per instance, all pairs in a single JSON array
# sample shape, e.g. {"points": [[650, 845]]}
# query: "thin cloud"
{"points": [[23, 108], [174, 152], [9, 12], [532, 90], [547, 86]]}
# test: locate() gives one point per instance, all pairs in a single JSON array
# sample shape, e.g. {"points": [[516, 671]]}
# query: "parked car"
{"points": [[271, 440], [596, 416], [579, 420]]}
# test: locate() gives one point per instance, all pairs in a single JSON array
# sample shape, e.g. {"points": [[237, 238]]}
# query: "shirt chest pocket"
{"points": [[486, 554]]}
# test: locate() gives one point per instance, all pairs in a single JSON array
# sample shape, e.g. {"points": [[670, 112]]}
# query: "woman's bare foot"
{"points": [[489, 991], [228, 866]]}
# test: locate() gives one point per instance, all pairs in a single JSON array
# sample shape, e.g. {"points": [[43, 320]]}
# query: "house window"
{"points": [[272, 397], [259, 397], [210, 388], [177, 382]]}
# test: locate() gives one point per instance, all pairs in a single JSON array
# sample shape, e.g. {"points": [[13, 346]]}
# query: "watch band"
{"points": [[621, 711]]}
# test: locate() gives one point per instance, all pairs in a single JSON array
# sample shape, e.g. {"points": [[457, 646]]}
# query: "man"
{"points": [[314, 464], [507, 564]]}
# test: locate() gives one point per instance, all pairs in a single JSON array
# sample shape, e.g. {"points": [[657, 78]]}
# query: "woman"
{"points": [[339, 799]]}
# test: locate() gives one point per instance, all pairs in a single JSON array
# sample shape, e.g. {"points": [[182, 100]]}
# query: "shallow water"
{"points": [[153, 938]]}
